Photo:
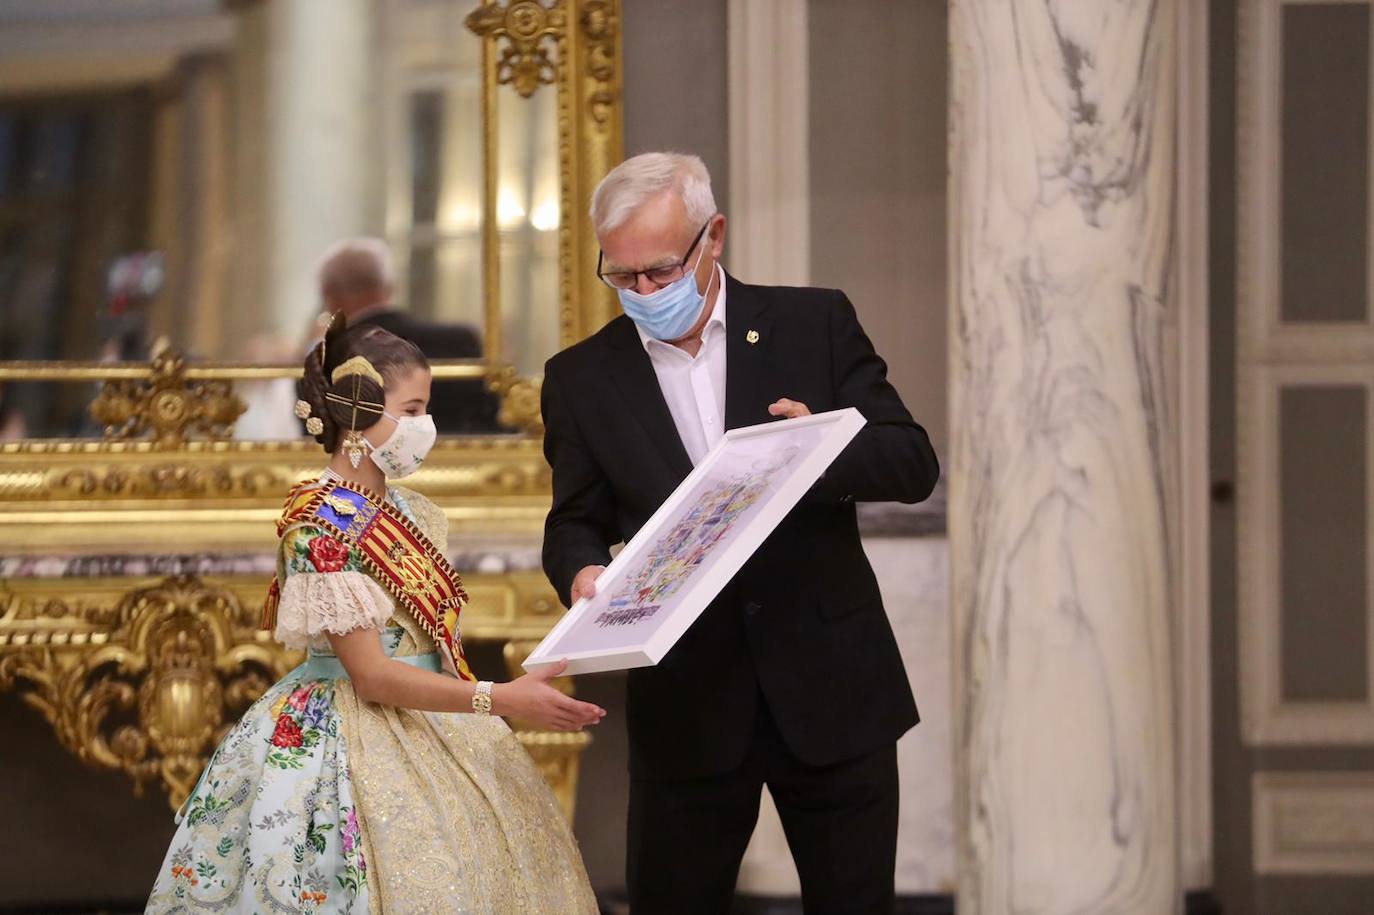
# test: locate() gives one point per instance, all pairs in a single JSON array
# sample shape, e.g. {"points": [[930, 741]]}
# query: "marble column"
{"points": [[1061, 206], [323, 145], [204, 210]]}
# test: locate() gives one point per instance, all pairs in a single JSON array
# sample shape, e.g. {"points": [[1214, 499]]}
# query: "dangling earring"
{"points": [[355, 446]]}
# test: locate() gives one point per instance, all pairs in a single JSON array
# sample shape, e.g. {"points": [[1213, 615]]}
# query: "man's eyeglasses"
{"points": [[659, 276]]}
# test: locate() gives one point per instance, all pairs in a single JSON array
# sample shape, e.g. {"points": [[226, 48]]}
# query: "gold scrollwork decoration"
{"points": [[147, 680], [531, 30], [519, 400], [147, 686], [481, 470], [590, 144], [167, 480], [599, 29], [167, 406]]}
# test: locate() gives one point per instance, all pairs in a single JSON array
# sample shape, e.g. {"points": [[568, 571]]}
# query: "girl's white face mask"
{"points": [[406, 448]]}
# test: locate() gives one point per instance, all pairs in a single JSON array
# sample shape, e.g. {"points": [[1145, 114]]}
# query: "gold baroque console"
{"points": [[144, 674]]}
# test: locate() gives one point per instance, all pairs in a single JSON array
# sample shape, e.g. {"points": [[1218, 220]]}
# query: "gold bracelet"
{"points": [[481, 698]]}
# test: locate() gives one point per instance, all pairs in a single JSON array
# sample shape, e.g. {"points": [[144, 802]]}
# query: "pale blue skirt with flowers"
{"points": [[273, 825]]}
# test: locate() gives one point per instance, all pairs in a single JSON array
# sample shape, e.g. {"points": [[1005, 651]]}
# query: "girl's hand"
{"points": [[535, 699]]}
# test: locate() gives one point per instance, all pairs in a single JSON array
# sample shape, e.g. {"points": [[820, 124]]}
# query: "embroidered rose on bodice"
{"points": [[327, 554]]}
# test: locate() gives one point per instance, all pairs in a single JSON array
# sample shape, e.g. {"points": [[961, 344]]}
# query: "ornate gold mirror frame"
{"points": [[143, 673]]}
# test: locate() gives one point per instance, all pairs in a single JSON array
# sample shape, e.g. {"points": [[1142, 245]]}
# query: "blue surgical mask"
{"points": [[667, 313]]}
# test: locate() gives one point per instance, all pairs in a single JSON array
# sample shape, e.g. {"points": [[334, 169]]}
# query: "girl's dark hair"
{"points": [[390, 355]]}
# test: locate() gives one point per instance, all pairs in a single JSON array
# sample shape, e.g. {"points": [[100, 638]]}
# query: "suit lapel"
{"points": [[635, 377], [747, 344]]}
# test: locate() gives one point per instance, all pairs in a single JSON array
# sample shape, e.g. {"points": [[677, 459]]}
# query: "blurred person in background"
{"points": [[357, 280]]}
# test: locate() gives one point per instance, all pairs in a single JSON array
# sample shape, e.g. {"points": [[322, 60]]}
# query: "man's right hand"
{"points": [[584, 583]]}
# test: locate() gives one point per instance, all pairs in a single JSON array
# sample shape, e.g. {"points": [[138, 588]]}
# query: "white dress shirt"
{"points": [[694, 386]]}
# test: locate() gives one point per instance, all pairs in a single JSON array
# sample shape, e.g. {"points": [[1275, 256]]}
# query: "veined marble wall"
{"points": [[1061, 162], [914, 576]]}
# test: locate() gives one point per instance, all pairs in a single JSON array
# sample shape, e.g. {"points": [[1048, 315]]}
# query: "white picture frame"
{"points": [[690, 548]]}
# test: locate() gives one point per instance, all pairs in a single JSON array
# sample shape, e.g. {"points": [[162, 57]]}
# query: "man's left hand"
{"points": [[789, 409]]}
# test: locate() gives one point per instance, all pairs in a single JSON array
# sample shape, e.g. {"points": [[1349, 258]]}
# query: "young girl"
{"points": [[375, 777]]}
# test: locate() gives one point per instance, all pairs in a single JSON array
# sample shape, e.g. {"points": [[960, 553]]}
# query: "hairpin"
{"points": [[313, 424], [327, 321]]}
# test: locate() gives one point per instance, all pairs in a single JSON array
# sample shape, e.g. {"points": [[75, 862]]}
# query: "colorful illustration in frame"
{"points": [[681, 558]]}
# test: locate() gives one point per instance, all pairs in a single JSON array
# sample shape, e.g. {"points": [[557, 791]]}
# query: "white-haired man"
{"points": [[356, 279], [791, 677]]}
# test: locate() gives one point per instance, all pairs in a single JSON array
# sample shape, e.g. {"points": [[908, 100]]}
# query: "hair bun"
{"points": [[356, 401]]}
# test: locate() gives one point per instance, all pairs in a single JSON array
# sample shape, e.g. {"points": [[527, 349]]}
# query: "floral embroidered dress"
{"points": [[318, 802]]}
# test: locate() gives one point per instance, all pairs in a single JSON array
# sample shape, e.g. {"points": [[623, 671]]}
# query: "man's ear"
{"points": [[717, 233]]}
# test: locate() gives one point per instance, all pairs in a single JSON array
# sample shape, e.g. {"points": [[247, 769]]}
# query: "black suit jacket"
{"points": [[458, 405], [802, 623]]}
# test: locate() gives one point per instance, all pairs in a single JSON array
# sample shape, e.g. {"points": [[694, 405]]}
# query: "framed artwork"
{"points": [[668, 573]]}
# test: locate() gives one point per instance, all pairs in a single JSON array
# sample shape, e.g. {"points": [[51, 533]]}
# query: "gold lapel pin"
{"points": [[752, 336]]}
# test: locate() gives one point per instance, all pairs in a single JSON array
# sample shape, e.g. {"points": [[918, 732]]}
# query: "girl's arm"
{"points": [[378, 678]]}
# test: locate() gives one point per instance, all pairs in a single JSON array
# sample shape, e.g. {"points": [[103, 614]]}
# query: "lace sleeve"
{"points": [[324, 589]]}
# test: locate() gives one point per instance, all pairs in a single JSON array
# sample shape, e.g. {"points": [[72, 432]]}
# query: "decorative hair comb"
{"points": [[357, 365]]}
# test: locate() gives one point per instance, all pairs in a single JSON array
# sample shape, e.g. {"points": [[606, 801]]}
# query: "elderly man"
{"points": [[791, 677], [356, 278]]}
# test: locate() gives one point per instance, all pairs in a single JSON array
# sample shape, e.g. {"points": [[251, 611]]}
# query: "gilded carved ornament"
{"points": [[146, 686], [519, 400], [167, 405], [146, 679], [534, 37], [599, 28], [528, 28]]}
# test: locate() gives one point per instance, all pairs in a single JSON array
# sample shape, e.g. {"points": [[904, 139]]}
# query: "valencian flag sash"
{"points": [[392, 548]]}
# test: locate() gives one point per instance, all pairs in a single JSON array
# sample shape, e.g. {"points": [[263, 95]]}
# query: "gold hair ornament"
{"points": [[354, 447], [358, 368], [313, 424], [328, 321], [358, 365]]}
